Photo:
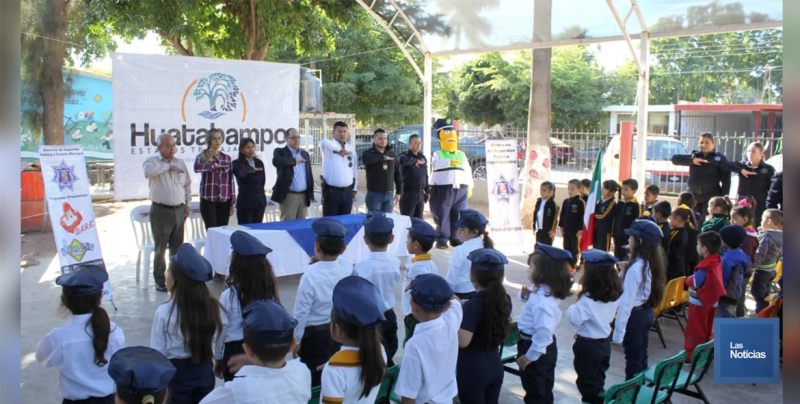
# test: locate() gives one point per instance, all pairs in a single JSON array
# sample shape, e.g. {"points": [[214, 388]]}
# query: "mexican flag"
{"points": [[587, 238]]}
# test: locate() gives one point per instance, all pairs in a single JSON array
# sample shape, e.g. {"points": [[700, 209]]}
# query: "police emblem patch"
{"points": [[718, 158], [763, 171]]}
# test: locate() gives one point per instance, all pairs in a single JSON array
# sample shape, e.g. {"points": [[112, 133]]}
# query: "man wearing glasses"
{"points": [[294, 187], [339, 173]]}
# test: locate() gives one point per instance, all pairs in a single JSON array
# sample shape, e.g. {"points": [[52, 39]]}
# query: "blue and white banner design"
{"points": [[746, 350], [502, 181]]}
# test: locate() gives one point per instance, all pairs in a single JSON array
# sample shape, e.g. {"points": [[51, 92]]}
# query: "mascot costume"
{"points": [[451, 183]]}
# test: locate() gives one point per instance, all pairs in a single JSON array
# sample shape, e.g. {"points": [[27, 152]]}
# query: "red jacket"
{"points": [[712, 288]]}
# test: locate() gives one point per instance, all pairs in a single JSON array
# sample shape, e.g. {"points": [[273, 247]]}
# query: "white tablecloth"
{"points": [[287, 257]]}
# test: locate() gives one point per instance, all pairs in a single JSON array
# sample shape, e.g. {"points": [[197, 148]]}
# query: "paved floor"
{"points": [[136, 302]]}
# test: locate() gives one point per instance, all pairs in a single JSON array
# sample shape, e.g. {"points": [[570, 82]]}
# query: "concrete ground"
{"points": [[137, 301]]}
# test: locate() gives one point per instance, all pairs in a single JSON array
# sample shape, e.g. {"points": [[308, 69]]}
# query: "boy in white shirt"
{"points": [[421, 237]]}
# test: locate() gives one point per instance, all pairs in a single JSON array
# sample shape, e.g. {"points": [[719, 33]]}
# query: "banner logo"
{"points": [[70, 219], [76, 249], [64, 176], [503, 190], [219, 91], [746, 350]]}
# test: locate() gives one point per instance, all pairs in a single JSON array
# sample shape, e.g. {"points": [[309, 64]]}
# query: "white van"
{"points": [[659, 169]]}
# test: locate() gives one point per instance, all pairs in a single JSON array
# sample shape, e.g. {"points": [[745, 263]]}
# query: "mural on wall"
{"points": [[87, 119]]}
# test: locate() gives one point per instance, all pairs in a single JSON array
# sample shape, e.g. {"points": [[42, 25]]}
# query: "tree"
{"points": [[619, 85], [479, 98]]}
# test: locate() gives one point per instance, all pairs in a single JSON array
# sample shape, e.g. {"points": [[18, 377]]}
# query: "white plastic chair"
{"points": [[140, 219], [315, 210], [272, 212], [361, 201], [196, 231]]}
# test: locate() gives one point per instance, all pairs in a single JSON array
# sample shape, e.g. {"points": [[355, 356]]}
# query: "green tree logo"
{"points": [[221, 91]]}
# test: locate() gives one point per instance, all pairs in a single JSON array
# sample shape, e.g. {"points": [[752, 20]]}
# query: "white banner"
{"points": [[502, 181], [69, 203], [190, 97]]}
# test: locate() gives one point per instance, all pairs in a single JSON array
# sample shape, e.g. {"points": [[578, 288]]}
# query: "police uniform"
{"points": [[420, 264], [192, 381], [676, 255], [756, 186], [775, 194], [383, 270], [458, 271], [250, 247], [450, 182], [571, 222], [537, 325], [592, 321], [708, 179], [635, 314], [312, 307], [357, 302], [605, 213], [415, 184], [479, 371], [139, 374], [545, 218], [627, 212], [266, 323], [428, 372], [69, 348]]}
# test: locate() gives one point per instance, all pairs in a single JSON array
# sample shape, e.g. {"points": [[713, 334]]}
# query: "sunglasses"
{"points": [[350, 161]]}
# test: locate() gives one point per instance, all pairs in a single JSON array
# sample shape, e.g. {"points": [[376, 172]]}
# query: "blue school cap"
{"points": [[378, 225], [267, 322], [598, 257], [357, 301], [246, 245], [192, 264], [140, 370], [487, 259], [327, 228], [645, 230], [552, 252], [87, 280], [733, 235], [422, 230], [431, 292], [472, 219]]}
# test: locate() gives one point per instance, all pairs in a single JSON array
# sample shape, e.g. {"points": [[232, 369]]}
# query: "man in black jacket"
{"points": [[294, 187], [775, 196], [384, 181], [414, 168]]}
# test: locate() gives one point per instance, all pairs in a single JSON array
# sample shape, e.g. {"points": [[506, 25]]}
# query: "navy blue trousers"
{"points": [[592, 360], [762, 284], [620, 252], [479, 376], [336, 202], [232, 348], [412, 204], [543, 236], [637, 337], [602, 241], [316, 347], [571, 244], [446, 203], [191, 382], [388, 329], [91, 400], [539, 377]]}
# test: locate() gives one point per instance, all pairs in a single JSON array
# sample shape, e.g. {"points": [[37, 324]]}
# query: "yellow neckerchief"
{"points": [[633, 200], [421, 257], [608, 199]]}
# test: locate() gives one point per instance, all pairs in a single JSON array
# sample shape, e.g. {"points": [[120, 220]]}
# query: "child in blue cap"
{"points": [[141, 375], [471, 227], [80, 350], [188, 328], [419, 242], [354, 374]]}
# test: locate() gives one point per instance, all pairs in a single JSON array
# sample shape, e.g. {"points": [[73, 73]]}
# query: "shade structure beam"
{"points": [[412, 26], [387, 27]]}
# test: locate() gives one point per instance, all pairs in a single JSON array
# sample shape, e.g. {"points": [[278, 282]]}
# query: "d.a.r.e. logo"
{"points": [[746, 350]]}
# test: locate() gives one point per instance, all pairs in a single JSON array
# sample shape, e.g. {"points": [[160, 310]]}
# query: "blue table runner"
{"points": [[304, 236]]}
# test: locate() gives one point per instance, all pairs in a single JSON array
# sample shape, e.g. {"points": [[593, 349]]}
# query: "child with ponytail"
{"points": [[354, 374], [80, 351], [744, 215], [472, 231], [719, 209], [485, 323]]}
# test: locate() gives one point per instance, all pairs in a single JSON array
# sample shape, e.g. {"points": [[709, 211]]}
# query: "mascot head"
{"points": [[446, 133]]}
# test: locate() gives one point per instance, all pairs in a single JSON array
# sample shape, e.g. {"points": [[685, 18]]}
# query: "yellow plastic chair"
{"points": [[668, 302]]}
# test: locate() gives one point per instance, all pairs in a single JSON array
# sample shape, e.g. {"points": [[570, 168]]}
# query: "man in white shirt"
{"points": [[339, 173], [170, 194]]}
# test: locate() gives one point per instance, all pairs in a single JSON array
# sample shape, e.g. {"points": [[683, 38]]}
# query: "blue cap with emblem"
{"points": [[645, 230], [327, 228], [598, 257], [140, 370], [487, 259], [87, 280], [357, 301], [431, 292], [267, 322], [245, 244], [378, 225], [443, 123], [192, 264], [552, 252], [422, 230], [472, 219]]}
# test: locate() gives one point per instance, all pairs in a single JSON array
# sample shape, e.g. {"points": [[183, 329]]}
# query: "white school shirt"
{"points": [[336, 169], [234, 327], [540, 216], [290, 384], [635, 292], [383, 270], [458, 271], [314, 300], [428, 370], [420, 265], [69, 349], [166, 336], [539, 319], [341, 379], [592, 318]]}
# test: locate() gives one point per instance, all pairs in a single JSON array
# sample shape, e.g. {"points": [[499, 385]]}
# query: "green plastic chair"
{"points": [[665, 376], [701, 362], [315, 395], [387, 385], [624, 393], [507, 355]]}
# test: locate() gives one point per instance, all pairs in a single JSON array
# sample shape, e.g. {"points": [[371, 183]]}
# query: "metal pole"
{"points": [[427, 114], [644, 95]]}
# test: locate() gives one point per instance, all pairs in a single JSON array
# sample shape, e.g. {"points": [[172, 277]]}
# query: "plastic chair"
{"points": [[361, 201], [668, 302], [315, 395], [508, 356], [624, 393], [315, 210], [196, 231], [674, 311], [387, 385], [665, 377], [701, 362], [272, 212], [140, 218]]}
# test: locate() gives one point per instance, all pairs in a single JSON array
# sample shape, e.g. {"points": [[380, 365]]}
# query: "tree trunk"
{"points": [[54, 29]]}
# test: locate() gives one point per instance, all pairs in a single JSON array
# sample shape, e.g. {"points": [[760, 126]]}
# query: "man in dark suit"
{"points": [[294, 188]]}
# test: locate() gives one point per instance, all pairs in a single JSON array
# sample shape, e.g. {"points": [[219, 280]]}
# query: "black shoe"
{"points": [[161, 288], [442, 246], [455, 243]]}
